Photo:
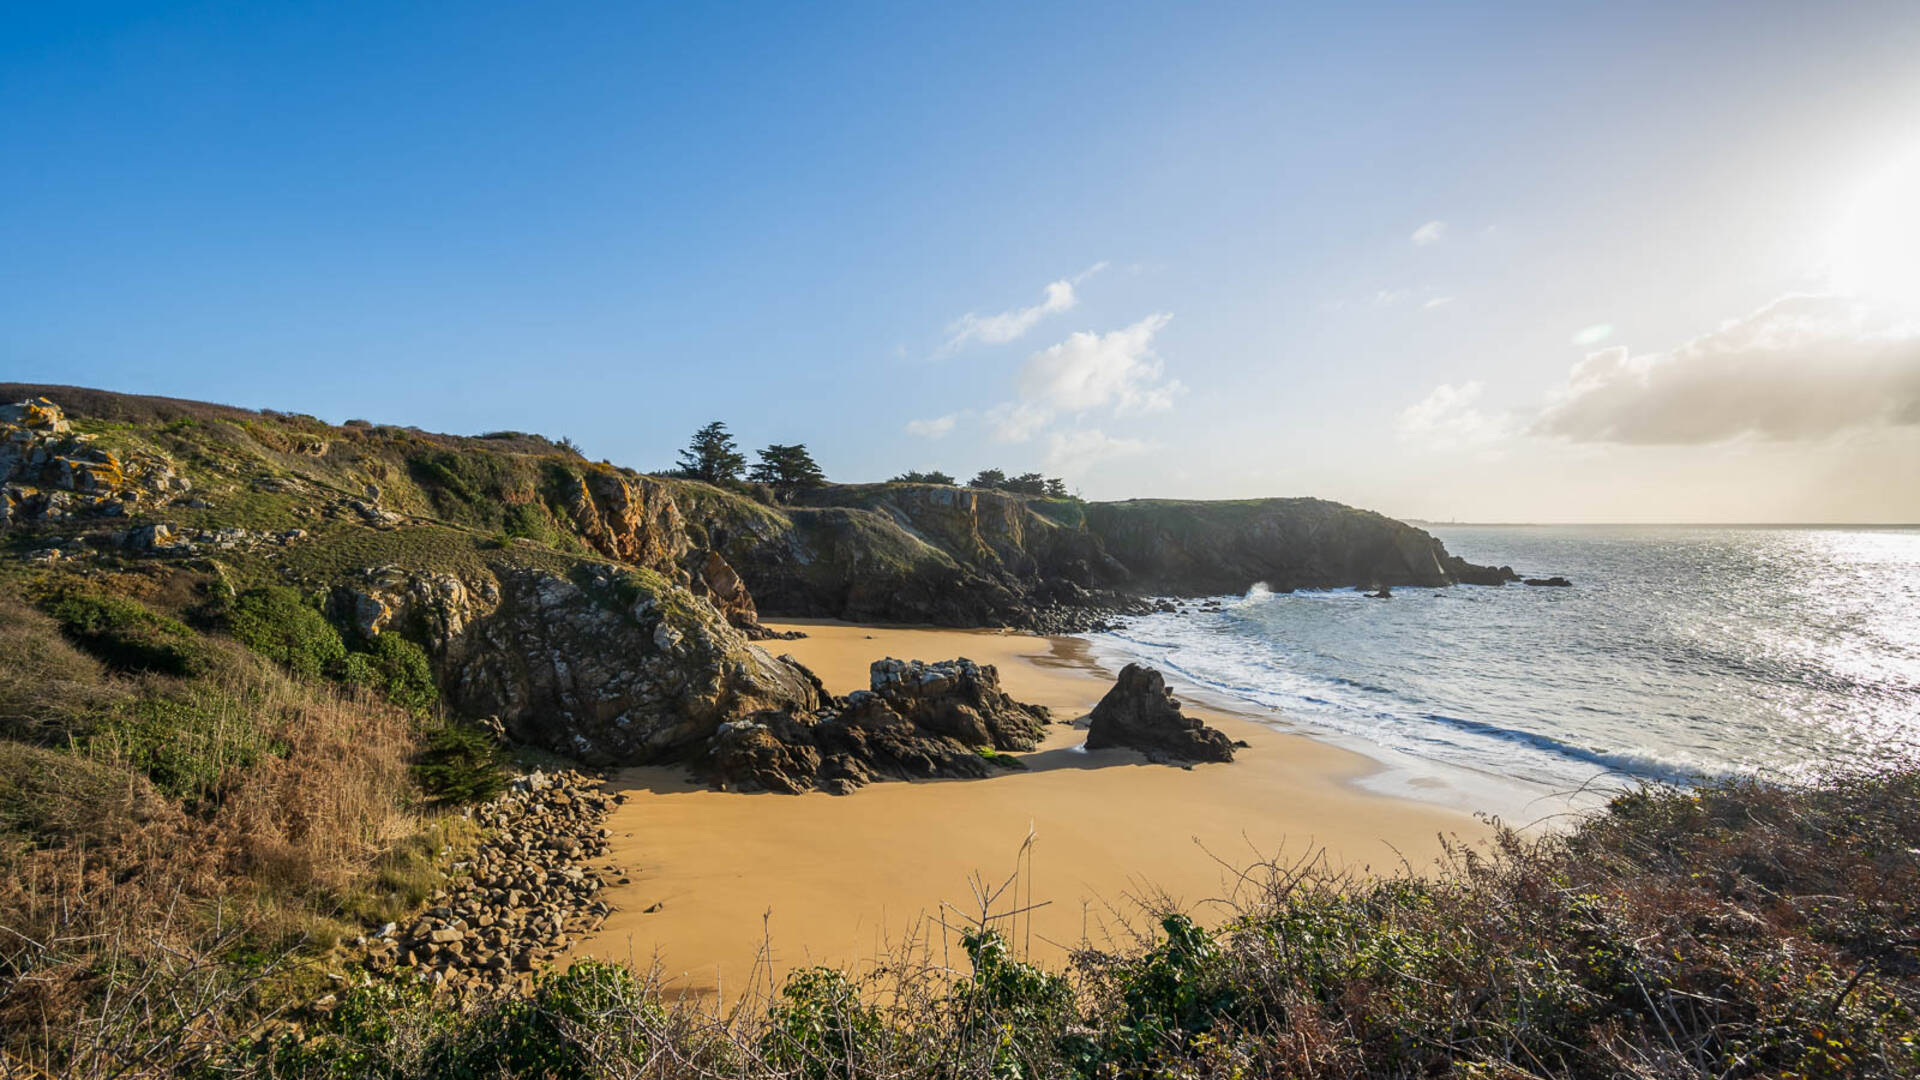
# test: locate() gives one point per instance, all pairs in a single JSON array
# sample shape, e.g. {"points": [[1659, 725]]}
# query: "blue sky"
{"points": [[1208, 250]]}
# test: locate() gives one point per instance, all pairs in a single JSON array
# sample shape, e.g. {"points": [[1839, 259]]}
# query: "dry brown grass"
{"points": [[123, 911]]}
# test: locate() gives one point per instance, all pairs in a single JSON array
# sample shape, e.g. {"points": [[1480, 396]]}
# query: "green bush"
{"points": [[590, 1013], [820, 1029], [574, 1022], [1174, 992], [460, 763], [529, 521], [279, 624], [125, 633], [1014, 1012], [397, 668]]}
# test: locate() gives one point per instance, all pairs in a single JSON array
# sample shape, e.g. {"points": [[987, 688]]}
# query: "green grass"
{"points": [[188, 743]]}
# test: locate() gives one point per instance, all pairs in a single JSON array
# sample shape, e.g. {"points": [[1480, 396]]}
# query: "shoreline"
{"points": [[744, 888], [1523, 804]]}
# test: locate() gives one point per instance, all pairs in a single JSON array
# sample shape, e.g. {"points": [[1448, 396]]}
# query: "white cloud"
{"points": [[1077, 450], [1592, 335], [1090, 371], [998, 329], [1449, 417], [1389, 297], [1431, 233], [1801, 368], [1017, 421], [1436, 302], [933, 429]]}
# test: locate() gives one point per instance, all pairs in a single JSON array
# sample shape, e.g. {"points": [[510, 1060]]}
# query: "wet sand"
{"points": [[750, 886]]}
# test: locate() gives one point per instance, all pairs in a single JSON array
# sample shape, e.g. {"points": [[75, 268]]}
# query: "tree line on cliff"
{"points": [[713, 456]]}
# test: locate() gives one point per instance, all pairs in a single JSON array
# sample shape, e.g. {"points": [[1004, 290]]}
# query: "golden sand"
{"points": [[750, 886]]}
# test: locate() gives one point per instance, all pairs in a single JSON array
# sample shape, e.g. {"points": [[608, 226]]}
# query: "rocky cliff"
{"points": [[598, 611], [920, 553]]}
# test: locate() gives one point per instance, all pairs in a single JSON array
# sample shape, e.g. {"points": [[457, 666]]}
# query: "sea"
{"points": [[1679, 653]]}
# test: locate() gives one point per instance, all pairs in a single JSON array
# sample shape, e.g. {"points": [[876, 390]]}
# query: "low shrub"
{"points": [[460, 763], [51, 691], [821, 1029], [124, 633], [276, 622], [52, 796], [396, 668]]}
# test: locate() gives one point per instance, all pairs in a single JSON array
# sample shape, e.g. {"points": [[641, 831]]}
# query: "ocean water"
{"points": [[1680, 652]]}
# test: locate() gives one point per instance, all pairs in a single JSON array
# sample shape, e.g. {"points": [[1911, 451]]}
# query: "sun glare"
{"points": [[1876, 250]]}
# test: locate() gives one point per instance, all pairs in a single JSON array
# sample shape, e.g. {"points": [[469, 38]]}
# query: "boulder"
{"points": [[959, 699], [1140, 713], [769, 752], [1556, 581], [920, 721]]}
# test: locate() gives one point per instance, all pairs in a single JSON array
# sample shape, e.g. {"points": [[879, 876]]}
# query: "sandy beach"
{"points": [[745, 887]]}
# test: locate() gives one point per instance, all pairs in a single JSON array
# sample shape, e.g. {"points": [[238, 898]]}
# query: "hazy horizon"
{"points": [[1639, 264]]}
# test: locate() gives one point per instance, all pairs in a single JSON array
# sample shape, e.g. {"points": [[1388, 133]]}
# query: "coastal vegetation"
{"points": [[1031, 483], [1734, 930]]}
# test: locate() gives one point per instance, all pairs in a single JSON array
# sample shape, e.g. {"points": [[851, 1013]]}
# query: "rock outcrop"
{"points": [[1140, 713], [608, 665], [919, 721], [50, 473], [959, 699]]}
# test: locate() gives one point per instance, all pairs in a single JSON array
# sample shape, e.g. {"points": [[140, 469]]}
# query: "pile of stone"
{"points": [[528, 893]]}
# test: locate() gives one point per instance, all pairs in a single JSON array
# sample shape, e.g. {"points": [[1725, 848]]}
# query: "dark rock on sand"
{"points": [[960, 699], [1140, 713], [919, 721], [1558, 582]]}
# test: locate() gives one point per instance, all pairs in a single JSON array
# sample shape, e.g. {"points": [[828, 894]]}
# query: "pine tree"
{"points": [[712, 456], [988, 478], [787, 468], [931, 476]]}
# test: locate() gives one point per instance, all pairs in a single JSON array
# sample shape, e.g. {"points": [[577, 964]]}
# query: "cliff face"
{"points": [[962, 557], [1183, 547], [598, 611]]}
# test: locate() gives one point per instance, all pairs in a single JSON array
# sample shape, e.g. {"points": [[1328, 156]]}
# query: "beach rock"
{"points": [[920, 721], [959, 699], [769, 752], [1140, 713], [1556, 582]]}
